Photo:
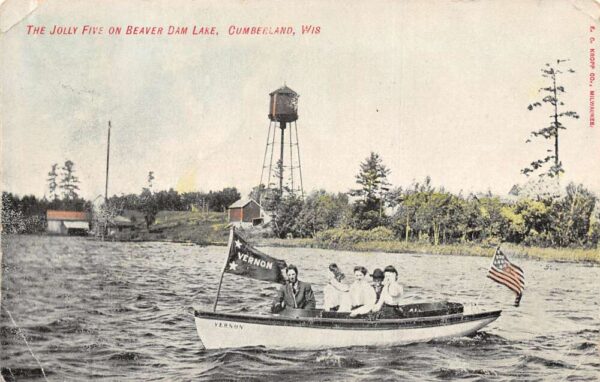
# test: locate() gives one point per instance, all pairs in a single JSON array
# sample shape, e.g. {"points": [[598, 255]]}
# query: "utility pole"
{"points": [[107, 164]]}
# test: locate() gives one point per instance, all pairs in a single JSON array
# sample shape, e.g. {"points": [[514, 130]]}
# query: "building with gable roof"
{"points": [[67, 222], [246, 212]]}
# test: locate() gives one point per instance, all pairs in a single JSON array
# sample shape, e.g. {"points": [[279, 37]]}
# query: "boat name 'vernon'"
{"points": [[255, 261], [228, 325]]}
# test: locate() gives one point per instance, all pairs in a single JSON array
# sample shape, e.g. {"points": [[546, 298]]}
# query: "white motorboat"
{"points": [[314, 329]]}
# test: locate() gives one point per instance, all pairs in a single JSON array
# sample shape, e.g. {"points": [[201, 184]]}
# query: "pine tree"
{"points": [[150, 180], [554, 91], [52, 185], [372, 179], [69, 182]]}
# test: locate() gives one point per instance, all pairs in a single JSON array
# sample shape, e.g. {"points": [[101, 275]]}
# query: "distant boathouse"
{"points": [[67, 222]]}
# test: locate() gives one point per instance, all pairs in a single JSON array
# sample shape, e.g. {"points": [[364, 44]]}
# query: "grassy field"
{"points": [[203, 228]]}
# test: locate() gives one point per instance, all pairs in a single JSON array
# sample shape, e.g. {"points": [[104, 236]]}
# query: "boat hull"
{"points": [[220, 330]]}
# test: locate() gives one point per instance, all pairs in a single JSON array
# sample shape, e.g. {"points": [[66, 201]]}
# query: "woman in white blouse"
{"points": [[336, 296], [362, 293]]}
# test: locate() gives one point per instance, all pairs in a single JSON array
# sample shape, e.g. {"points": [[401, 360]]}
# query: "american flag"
{"points": [[508, 274]]}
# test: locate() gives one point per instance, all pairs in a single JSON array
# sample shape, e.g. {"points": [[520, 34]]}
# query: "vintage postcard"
{"points": [[300, 190]]}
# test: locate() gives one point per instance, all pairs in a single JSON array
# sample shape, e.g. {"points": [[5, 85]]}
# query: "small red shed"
{"points": [[244, 211]]}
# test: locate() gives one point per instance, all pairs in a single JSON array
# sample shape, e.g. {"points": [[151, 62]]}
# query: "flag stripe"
{"points": [[519, 279], [517, 269], [508, 277], [508, 274], [500, 281], [505, 280], [509, 271], [515, 278]]}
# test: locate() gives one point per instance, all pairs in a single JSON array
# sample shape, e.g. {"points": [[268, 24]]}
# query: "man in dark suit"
{"points": [[295, 293]]}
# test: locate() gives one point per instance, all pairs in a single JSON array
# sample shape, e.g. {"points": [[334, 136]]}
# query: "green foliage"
{"points": [[347, 237], [490, 218], [514, 229], [368, 211], [321, 211], [427, 214], [151, 202], [365, 216], [286, 213], [28, 214], [572, 217], [220, 200], [13, 220], [431, 215], [192, 227], [371, 178]]}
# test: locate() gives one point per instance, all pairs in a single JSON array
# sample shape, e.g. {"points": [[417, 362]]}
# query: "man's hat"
{"points": [[390, 268], [377, 274]]}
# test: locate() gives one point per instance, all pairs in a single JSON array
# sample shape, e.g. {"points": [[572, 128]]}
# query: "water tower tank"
{"points": [[284, 105]]}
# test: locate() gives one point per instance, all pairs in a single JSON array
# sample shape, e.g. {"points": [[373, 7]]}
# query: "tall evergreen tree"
{"points": [[150, 180], [371, 178], [69, 182], [553, 99], [374, 186], [52, 185]]}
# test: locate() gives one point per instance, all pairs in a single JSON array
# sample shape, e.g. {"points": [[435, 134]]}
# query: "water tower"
{"points": [[285, 173]]}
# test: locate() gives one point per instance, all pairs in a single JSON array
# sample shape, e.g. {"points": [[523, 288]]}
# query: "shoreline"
{"points": [[571, 255]]}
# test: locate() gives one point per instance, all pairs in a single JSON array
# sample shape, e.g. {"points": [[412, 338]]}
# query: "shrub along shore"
{"points": [[212, 229], [350, 242]]}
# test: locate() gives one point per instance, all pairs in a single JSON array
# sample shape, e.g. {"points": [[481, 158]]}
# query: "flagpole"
{"points": [[487, 284], [229, 244]]}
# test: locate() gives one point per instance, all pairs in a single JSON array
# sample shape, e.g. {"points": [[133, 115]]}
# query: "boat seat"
{"points": [[429, 309], [300, 313]]}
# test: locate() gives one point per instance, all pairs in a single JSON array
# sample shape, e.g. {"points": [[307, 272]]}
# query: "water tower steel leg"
{"points": [[299, 163], [262, 172], [268, 185], [282, 126], [291, 161]]}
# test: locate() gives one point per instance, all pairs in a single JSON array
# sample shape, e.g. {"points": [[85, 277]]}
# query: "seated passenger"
{"points": [[295, 293], [391, 293], [377, 282], [335, 295], [362, 293]]}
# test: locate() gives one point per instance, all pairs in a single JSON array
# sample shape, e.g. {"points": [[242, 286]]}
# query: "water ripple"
{"points": [[123, 311]]}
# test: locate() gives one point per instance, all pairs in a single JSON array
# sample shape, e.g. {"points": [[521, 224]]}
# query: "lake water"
{"points": [[121, 311]]}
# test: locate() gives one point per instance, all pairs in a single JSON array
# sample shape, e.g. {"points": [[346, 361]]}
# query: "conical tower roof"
{"points": [[284, 90]]}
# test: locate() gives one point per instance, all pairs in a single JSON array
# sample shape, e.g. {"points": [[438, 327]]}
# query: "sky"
{"points": [[437, 88]]}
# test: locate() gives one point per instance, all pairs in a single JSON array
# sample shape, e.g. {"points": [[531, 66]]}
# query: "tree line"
{"points": [[422, 212], [375, 210], [150, 203], [27, 214]]}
